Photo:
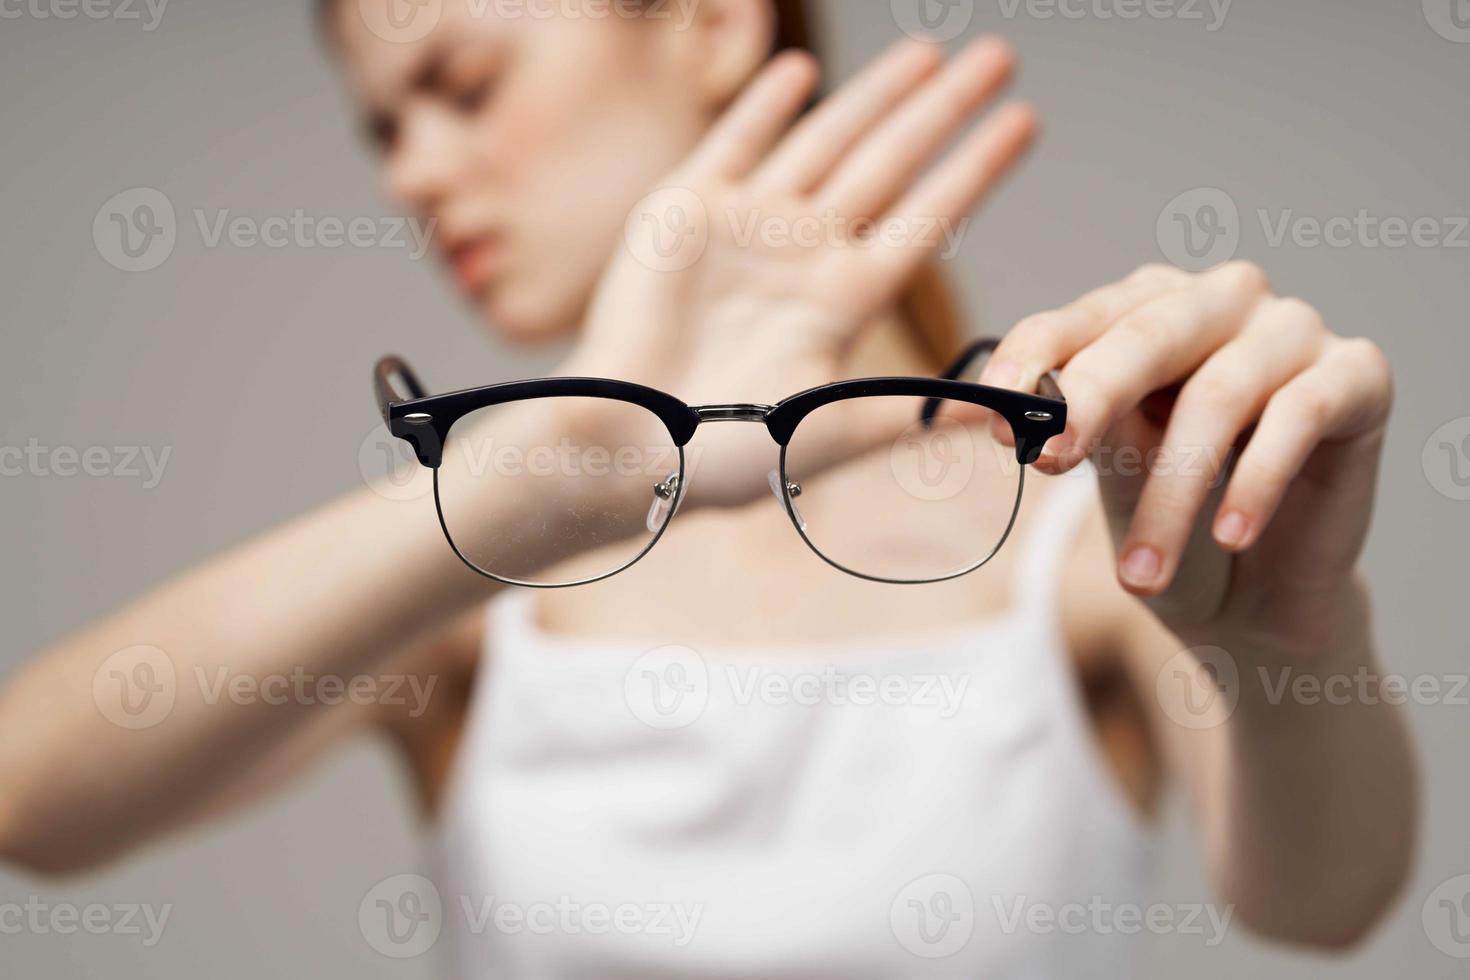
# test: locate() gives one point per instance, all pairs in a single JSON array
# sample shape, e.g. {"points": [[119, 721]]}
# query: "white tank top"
{"points": [[935, 807]]}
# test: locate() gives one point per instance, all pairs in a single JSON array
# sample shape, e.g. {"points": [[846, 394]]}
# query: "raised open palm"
{"points": [[747, 274]]}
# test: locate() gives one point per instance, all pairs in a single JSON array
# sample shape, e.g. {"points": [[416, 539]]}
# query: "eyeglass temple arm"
{"points": [[972, 359], [406, 389]]}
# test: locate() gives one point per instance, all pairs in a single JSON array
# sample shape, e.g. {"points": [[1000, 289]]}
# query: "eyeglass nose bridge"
{"points": [[734, 413]]}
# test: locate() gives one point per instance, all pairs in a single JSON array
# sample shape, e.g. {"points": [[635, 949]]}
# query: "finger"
{"points": [[1155, 346], [1346, 393], [882, 165], [1043, 342], [940, 203], [1046, 341], [762, 112], [1217, 404], [806, 156]]}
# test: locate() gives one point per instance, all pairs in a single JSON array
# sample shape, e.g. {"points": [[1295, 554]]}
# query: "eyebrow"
{"points": [[428, 74]]}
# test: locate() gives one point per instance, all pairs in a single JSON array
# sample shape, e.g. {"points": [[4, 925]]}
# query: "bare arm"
{"points": [[213, 687], [1248, 634], [92, 763], [420, 710], [1306, 793]]}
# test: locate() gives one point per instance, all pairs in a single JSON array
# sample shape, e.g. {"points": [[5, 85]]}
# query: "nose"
{"points": [[427, 160]]}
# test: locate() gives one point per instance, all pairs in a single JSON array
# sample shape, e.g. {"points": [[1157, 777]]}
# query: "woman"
{"points": [[821, 839]]}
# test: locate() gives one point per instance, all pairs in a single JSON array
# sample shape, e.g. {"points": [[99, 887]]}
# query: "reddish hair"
{"points": [[927, 304]]}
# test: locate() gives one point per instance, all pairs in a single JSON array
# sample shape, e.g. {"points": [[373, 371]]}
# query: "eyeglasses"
{"points": [[935, 504]]}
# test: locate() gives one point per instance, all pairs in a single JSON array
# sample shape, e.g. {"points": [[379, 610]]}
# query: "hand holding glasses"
{"points": [[940, 503]]}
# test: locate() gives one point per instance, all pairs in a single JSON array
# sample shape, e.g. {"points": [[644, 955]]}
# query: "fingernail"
{"points": [[1059, 447], [1141, 567], [1001, 374], [1232, 529]]}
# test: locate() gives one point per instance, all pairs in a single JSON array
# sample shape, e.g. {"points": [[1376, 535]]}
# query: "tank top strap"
{"points": [[1049, 540]]}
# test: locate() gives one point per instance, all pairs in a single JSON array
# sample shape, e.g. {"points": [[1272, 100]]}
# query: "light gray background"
{"points": [[251, 364]]}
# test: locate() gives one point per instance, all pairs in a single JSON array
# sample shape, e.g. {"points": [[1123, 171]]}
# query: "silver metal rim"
{"points": [[518, 583], [786, 482]]}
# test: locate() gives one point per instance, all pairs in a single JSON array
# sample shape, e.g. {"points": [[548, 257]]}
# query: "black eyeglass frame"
{"points": [[424, 421]]}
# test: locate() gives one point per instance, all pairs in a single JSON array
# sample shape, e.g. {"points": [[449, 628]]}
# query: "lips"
{"points": [[473, 262]]}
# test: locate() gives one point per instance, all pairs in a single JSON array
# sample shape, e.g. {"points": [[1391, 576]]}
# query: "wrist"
{"points": [[1322, 654]]}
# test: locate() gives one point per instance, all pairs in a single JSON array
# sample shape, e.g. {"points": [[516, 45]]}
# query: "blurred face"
{"points": [[526, 138]]}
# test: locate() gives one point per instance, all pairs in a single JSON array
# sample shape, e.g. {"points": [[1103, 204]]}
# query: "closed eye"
{"points": [[472, 98]]}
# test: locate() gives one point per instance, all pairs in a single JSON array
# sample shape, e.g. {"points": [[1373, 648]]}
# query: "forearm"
{"points": [[239, 652], [332, 594], [1312, 824]]}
